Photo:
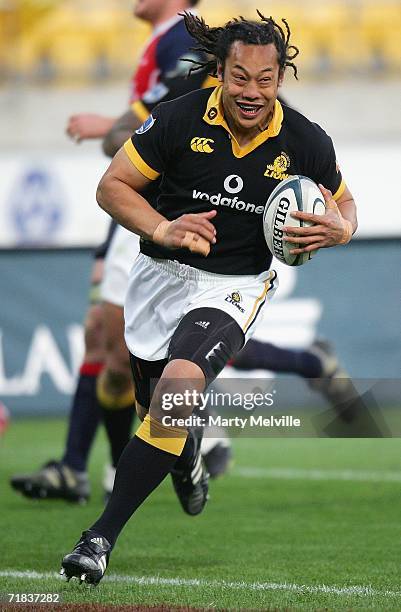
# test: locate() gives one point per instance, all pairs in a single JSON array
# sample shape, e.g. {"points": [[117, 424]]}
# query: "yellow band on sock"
{"points": [[109, 401], [168, 439]]}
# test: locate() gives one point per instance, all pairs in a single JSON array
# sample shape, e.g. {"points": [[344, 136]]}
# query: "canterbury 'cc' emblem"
{"points": [[201, 145]]}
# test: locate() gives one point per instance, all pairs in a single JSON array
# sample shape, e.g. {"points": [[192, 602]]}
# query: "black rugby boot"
{"points": [[191, 479], [89, 559]]}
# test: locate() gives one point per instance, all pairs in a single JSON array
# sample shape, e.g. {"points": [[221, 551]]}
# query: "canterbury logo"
{"points": [[201, 145]]}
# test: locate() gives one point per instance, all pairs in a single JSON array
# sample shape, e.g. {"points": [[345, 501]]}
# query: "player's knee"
{"points": [[114, 391], [167, 400], [177, 392]]}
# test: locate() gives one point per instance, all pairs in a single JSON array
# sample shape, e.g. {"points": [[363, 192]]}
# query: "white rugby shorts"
{"points": [[121, 254], [161, 292]]}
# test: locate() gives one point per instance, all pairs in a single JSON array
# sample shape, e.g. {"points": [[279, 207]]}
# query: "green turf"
{"points": [[264, 530]]}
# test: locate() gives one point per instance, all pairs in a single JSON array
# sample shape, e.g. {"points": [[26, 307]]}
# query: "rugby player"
{"points": [[104, 386], [203, 275]]}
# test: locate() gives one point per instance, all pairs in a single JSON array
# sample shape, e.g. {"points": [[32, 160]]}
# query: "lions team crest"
{"points": [[235, 298], [146, 126], [278, 169]]}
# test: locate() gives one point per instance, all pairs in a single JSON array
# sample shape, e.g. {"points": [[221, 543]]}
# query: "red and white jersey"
{"points": [[161, 57]]}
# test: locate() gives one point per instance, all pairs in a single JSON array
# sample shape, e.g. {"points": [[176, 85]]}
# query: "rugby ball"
{"points": [[295, 193]]}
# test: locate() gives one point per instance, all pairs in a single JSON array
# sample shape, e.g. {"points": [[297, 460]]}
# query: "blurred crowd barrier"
{"points": [[94, 40]]}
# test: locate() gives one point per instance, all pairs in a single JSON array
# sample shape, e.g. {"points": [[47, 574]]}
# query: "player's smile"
{"points": [[248, 110]]}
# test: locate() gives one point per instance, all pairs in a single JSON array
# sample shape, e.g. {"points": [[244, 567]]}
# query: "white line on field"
{"points": [[317, 474], [363, 591]]}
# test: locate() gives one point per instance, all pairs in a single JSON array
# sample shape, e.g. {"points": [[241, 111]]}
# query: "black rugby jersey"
{"points": [[202, 167], [167, 89]]}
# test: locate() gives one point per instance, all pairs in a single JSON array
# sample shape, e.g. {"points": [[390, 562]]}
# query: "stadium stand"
{"points": [[380, 29], [77, 40], [40, 39]]}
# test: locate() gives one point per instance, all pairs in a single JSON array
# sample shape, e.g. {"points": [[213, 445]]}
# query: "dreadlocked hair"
{"points": [[217, 41]]}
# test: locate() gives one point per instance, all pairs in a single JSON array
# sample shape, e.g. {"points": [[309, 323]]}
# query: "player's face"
{"points": [[251, 79], [148, 10]]}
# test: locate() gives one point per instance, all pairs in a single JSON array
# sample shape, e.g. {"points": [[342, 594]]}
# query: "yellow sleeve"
{"points": [[138, 162]]}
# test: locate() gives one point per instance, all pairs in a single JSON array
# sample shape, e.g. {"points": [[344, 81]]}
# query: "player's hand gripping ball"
{"points": [[297, 193]]}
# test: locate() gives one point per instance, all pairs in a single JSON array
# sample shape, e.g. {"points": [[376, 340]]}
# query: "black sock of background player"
{"points": [[84, 419], [265, 356], [141, 469], [118, 424]]}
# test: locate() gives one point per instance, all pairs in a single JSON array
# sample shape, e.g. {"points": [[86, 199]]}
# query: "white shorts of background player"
{"points": [[120, 257]]}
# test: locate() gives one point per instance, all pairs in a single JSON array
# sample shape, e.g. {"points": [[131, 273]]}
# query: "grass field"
{"points": [[306, 524]]}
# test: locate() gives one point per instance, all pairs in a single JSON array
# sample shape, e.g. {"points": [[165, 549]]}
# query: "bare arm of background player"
{"points": [[86, 126], [123, 127], [118, 194], [334, 228]]}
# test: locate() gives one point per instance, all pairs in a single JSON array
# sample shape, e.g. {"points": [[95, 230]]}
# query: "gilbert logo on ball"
{"points": [[297, 193]]}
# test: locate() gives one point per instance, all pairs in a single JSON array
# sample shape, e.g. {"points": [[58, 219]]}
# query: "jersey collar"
{"points": [[214, 116]]}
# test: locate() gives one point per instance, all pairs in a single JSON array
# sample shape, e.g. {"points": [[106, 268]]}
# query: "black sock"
{"points": [[265, 356], [142, 467], [188, 452], [118, 424], [191, 447], [83, 422]]}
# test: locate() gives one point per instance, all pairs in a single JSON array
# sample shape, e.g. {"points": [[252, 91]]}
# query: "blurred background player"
{"points": [[318, 364]]}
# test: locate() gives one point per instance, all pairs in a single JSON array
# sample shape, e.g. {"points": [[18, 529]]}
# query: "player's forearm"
{"points": [[101, 127], [86, 126], [347, 210], [119, 133], [114, 140], [128, 207]]}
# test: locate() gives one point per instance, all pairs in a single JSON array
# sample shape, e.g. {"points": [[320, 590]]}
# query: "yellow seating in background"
{"points": [[380, 29], [75, 43], [93, 39]]}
